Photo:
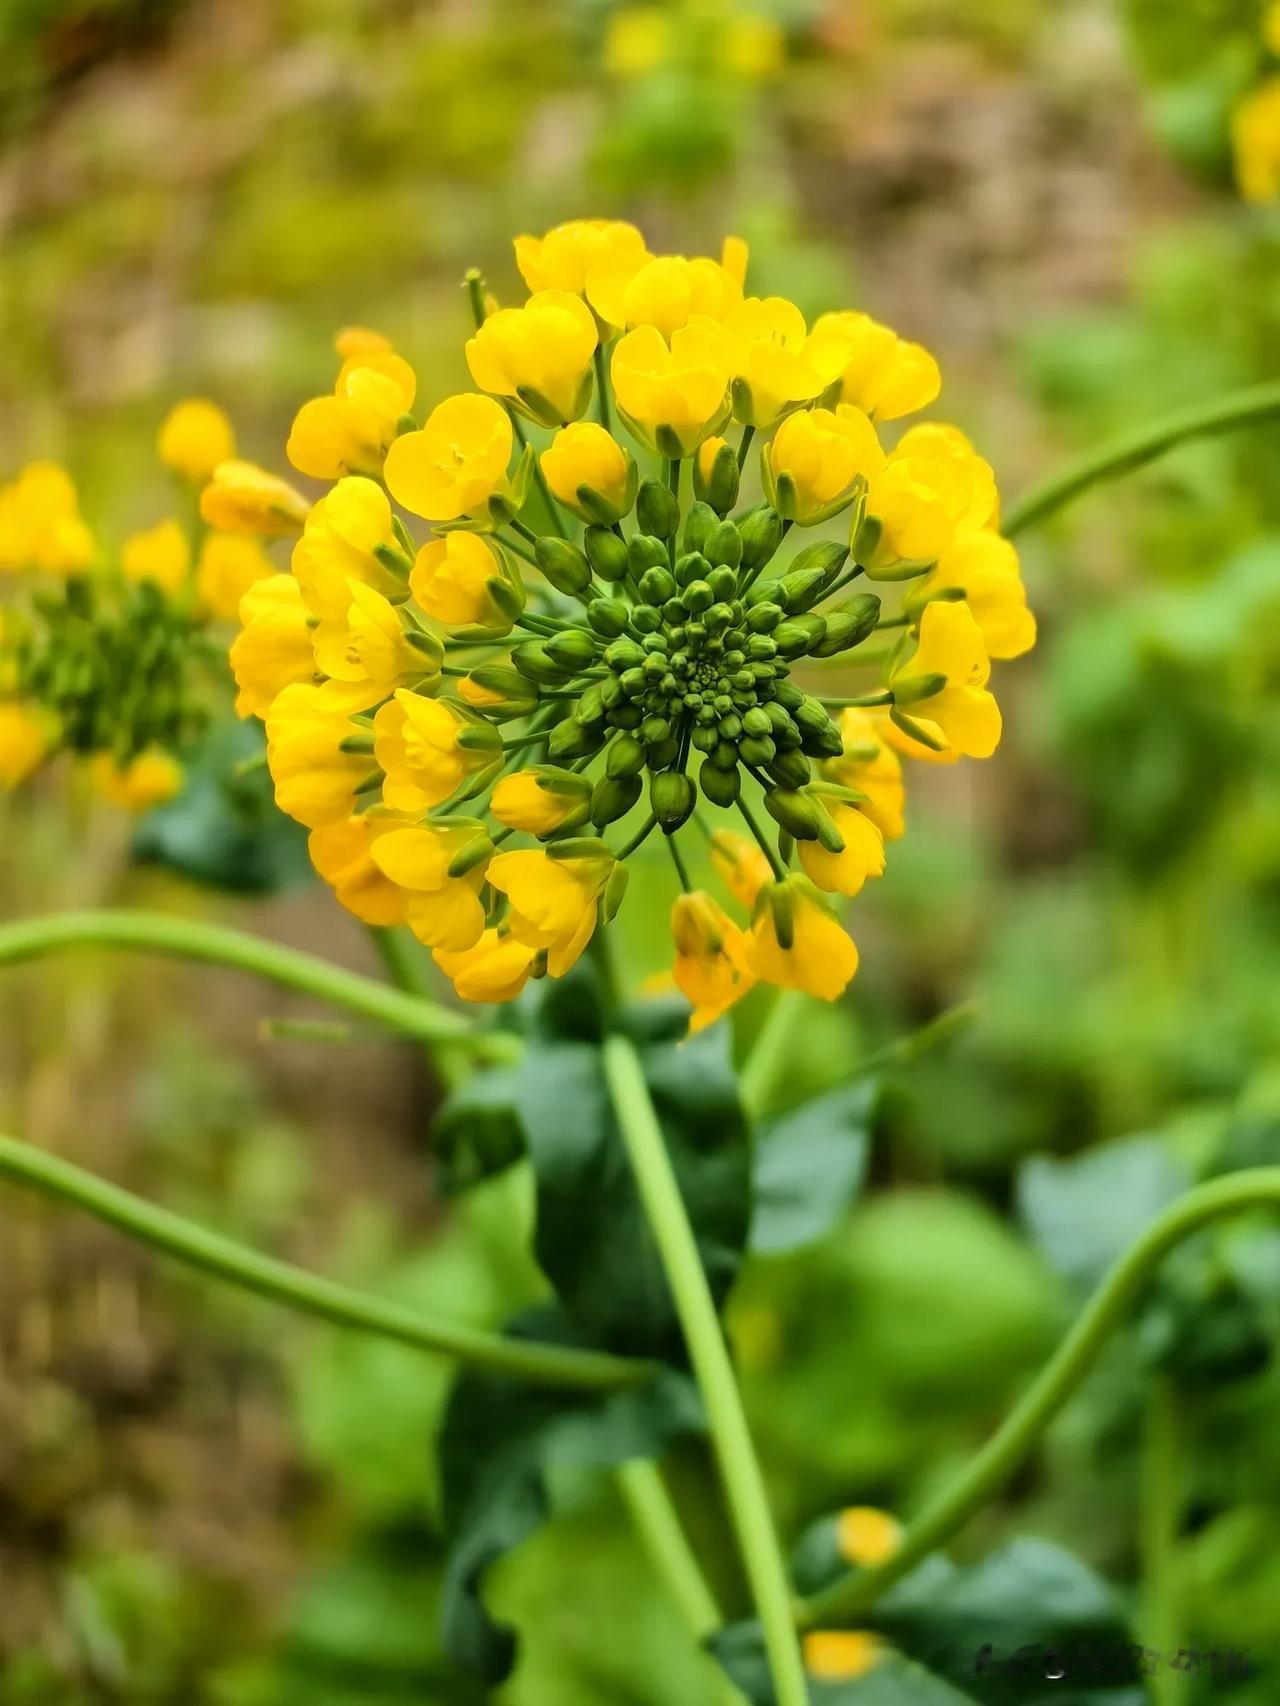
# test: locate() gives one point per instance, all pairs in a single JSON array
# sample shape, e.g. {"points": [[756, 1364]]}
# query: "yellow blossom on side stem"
{"points": [[841, 1655], [665, 293], [770, 371], [456, 463], [229, 564], [566, 256], [713, 966], [273, 648], [243, 498], [417, 744], [440, 868], [879, 372], [542, 801], [495, 969], [40, 523], [354, 342], [931, 489], [462, 580], [861, 857], [538, 356], [799, 943], [194, 437], [351, 431], [146, 781], [342, 853], [984, 567], [26, 736], [159, 554], [673, 395], [554, 900], [584, 454], [366, 653], [815, 457], [315, 779], [944, 685], [349, 534], [870, 765]]}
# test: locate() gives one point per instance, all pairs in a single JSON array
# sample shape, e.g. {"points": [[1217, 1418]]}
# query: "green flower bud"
{"points": [[691, 566], [791, 769], [756, 721], [788, 695], [798, 589], [819, 735], [698, 597], [672, 796], [764, 617], [657, 585], [699, 525], [654, 730], [795, 812], [645, 552], [657, 510], [606, 552], [625, 757], [721, 787], [781, 726], [613, 797], [531, 659], [622, 653], [705, 737], [663, 754], [570, 739], [848, 626], [757, 749], [718, 488], [572, 648], [724, 546], [499, 692], [645, 619], [563, 564], [590, 707], [799, 634], [608, 617], [761, 530], [723, 581], [825, 554]]}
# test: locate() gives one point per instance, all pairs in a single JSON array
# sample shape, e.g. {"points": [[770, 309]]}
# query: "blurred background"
{"points": [[202, 1503]]}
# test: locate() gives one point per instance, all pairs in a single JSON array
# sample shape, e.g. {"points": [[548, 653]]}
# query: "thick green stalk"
{"points": [[709, 1355], [214, 944], [198, 1247], [767, 1062], [402, 959], [1161, 1524], [984, 1475], [1144, 444]]}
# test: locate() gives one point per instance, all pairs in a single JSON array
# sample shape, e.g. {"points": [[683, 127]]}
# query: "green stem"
{"points": [[988, 1471], [860, 701], [677, 859], [214, 944], [766, 1064], [602, 389], [402, 960], [1161, 1525], [642, 834], [709, 1355], [744, 445], [341, 1305], [1133, 449], [762, 840]]}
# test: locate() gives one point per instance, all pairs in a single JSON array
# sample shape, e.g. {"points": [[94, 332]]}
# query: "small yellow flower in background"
{"points": [[664, 292], [315, 779], [243, 498], [538, 356], [542, 801], [194, 437], [348, 535], [416, 742], [1255, 137], [455, 579], [872, 767], [713, 966], [495, 969], [841, 1655], [866, 1535], [674, 395], [25, 738], [365, 652], [984, 567], [884, 375], [441, 900], [229, 564], [565, 258], [351, 431], [944, 686], [584, 454], [740, 865], [455, 463], [554, 901], [1271, 27], [356, 343], [159, 554], [343, 855], [273, 649], [799, 943], [770, 371], [40, 523], [639, 40], [145, 781], [814, 459], [861, 857], [753, 47]]}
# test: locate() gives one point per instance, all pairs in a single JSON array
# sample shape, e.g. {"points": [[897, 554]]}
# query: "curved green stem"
{"points": [[766, 1064], [984, 1475], [1144, 444], [341, 1305], [735, 1454], [215, 944]]}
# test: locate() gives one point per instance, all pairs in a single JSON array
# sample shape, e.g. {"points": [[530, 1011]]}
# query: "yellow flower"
{"points": [[416, 743], [734, 255], [148, 780], [985, 569], [229, 564], [753, 46], [933, 487], [354, 343], [441, 868], [861, 857], [815, 457], [770, 372], [243, 498], [584, 454], [1255, 138], [365, 653], [799, 943], [554, 901], [866, 1535], [158, 554], [460, 579], [495, 969], [542, 801], [351, 431], [664, 292], [194, 437], [273, 648], [960, 710], [342, 853], [879, 372], [841, 1655], [673, 395], [538, 356], [566, 256], [1271, 27], [349, 535], [40, 524], [456, 463], [638, 40], [740, 865], [315, 779], [26, 735], [713, 958], [872, 767]]}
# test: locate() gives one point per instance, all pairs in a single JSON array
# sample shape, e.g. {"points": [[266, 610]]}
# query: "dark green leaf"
{"points": [[478, 1132], [809, 1167], [895, 1680]]}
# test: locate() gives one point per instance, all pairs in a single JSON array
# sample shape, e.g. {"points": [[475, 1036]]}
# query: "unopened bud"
{"points": [[606, 552], [563, 564], [797, 813], [572, 648], [613, 797], [849, 626], [715, 478], [761, 530], [657, 510], [672, 796], [721, 787], [608, 617]]}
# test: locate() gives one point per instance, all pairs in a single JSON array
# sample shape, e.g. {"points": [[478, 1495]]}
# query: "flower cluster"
{"points": [[600, 640], [1255, 123], [107, 657]]}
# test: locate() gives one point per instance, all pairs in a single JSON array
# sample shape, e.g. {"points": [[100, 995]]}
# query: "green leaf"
{"points": [[499, 1441], [809, 1167], [894, 1681], [224, 831], [478, 1131]]}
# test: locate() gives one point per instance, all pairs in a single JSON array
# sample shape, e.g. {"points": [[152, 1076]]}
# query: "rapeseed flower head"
{"points": [[351, 431], [194, 437], [538, 357], [456, 464], [243, 498], [158, 554], [138, 784]]}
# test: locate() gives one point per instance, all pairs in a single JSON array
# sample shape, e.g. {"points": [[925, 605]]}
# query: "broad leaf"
{"points": [[809, 1167], [894, 1681], [478, 1131]]}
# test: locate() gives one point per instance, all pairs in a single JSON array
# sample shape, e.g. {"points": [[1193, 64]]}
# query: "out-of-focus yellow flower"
{"points": [[866, 1535], [872, 767], [740, 865], [356, 343], [933, 487], [26, 736], [814, 459], [799, 943], [441, 868], [770, 372], [349, 535], [554, 901], [342, 853], [565, 258], [315, 778], [40, 523], [584, 454], [713, 966], [243, 498], [984, 567], [351, 431], [841, 1655], [542, 801], [538, 356], [273, 648], [229, 564], [365, 652], [460, 580], [861, 857], [495, 969], [674, 394], [879, 372], [416, 741], [1271, 27], [1255, 138], [194, 437], [951, 662], [454, 464], [665, 292], [753, 47], [146, 781], [158, 554], [639, 40]]}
